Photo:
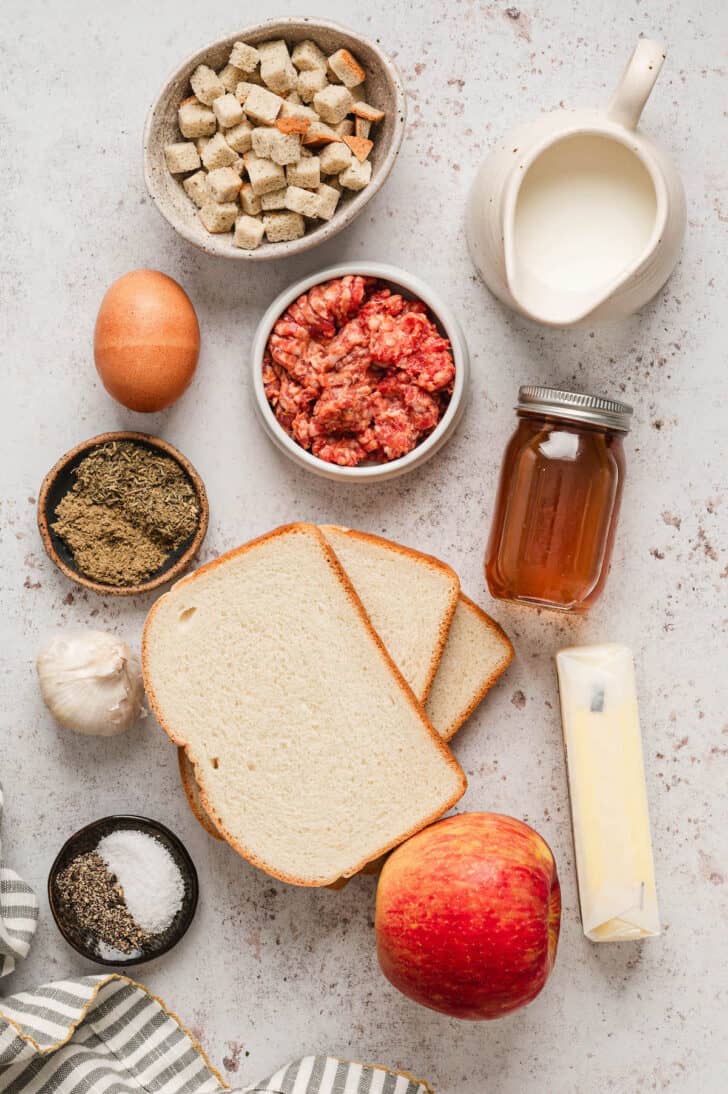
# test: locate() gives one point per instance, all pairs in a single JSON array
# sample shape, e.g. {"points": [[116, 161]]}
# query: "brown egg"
{"points": [[146, 341]]}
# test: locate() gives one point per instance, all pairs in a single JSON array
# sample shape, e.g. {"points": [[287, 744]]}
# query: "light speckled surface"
{"points": [[270, 971]]}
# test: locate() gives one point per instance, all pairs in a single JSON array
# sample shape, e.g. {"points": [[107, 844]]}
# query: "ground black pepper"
{"points": [[92, 902]]}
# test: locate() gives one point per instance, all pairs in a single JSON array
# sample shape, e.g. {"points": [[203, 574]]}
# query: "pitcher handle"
{"points": [[638, 79]]}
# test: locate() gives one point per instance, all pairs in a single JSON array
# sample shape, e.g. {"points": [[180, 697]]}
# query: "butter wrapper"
{"points": [[610, 819]]}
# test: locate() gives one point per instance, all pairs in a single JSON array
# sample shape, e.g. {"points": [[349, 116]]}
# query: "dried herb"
{"points": [[129, 509], [92, 902]]}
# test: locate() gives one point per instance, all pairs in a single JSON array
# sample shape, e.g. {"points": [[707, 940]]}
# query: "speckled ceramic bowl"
{"points": [[410, 286], [384, 90]]}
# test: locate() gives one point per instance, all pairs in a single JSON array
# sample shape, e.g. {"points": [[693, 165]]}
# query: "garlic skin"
{"points": [[92, 683]]}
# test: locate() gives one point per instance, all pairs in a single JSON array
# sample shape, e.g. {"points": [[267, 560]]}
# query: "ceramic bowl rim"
{"points": [[213, 244], [446, 426], [167, 575], [191, 879]]}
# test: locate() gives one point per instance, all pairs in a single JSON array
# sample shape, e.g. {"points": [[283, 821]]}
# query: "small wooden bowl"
{"points": [[60, 479]]}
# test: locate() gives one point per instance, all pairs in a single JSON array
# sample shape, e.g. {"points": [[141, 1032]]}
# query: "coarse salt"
{"points": [[110, 953], [150, 878]]}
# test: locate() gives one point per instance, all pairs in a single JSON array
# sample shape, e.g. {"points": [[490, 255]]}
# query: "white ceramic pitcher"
{"points": [[579, 216]]}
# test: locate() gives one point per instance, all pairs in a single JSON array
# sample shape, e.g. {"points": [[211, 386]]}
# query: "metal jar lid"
{"points": [[590, 409]]}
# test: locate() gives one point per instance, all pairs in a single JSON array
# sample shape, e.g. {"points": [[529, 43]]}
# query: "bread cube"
{"points": [[228, 110], [282, 227], [359, 146], [362, 128], [298, 110], [328, 199], [230, 77], [249, 232], [195, 120], [244, 57], [218, 153], [279, 78], [196, 187], [369, 113], [347, 68], [224, 184], [309, 83], [262, 106], [261, 139], [293, 97], [240, 136], [333, 103], [181, 157], [249, 202], [302, 201], [357, 175], [271, 144], [206, 84], [243, 90], [307, 57], [272, 47], [305, 173], [319, 133], [335, 158], [285, 147], [276, 199], [238, 167], [201, 144], [345, 128], [264, 175], [276, 68], [218, 217], [293, 125]]}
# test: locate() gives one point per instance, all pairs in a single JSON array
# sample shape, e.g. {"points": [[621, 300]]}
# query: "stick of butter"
{"points": [[614, 865]]}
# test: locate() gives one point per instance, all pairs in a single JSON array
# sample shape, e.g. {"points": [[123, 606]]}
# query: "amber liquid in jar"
{"points": [[556, 513]]}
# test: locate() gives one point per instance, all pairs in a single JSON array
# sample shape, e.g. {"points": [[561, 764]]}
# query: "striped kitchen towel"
{"points": [[18, 914], [99, 1034]]}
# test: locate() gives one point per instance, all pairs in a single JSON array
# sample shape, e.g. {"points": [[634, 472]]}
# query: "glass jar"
{"points": [[558, 500]]}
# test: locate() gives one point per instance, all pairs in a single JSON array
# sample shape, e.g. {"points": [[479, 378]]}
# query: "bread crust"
{"points": [[433, 563], [491, 625], [338, 571], [192, 793]]}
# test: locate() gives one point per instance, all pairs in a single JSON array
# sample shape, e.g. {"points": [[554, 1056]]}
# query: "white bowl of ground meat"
{"points": [[360, 372]]}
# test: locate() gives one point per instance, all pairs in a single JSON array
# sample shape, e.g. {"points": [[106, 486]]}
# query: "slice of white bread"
{"points": [[478, 651], [311, 754], [409, 597], [192, 793]]}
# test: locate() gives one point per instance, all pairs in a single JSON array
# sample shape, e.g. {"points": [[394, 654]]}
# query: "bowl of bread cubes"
{"points": [[270, 141]]}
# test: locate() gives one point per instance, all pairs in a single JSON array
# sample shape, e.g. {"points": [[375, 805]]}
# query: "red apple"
{"points": [[468, 915]]}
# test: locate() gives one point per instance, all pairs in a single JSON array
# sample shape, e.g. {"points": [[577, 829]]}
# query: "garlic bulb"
{"points": [[92, 683]]}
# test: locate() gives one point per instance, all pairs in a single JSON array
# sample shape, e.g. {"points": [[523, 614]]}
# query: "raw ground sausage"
{"points": [[355, 372]]}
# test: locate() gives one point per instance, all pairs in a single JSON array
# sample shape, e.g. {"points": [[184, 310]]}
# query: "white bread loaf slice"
{"points": [[310, 751], [192, 793], [409, 597], [478, 651]]}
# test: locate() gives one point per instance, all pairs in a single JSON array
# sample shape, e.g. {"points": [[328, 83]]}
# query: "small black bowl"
{"points": [[61, 478], [87, 839]]}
